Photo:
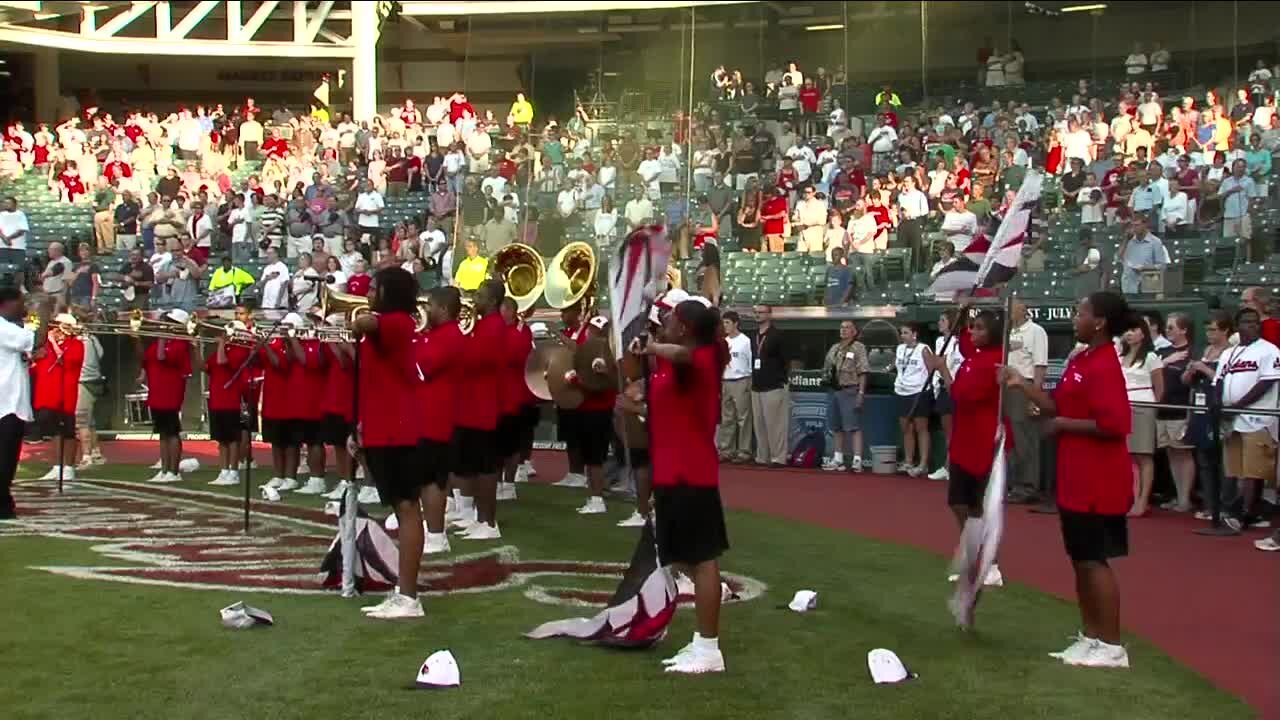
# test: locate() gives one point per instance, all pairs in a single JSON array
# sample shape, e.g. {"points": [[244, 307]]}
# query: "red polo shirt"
{"points": [[810, 98], [167, 378], [338, 385], [306, 381], [358, 284], [976, 392], [56, 375], [224, 397], [515, 393], [388, 383], [773, 206], [684, 408], [484, 350], [438, 353], [275, 382], [1094, 472]]}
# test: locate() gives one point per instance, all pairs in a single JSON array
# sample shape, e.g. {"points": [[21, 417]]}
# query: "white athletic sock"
{"points": [[705, 644], [457, 494], [466, 503]]}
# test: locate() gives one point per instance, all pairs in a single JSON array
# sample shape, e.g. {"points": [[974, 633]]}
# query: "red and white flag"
{"points": [[635, 281], [990, 261]]}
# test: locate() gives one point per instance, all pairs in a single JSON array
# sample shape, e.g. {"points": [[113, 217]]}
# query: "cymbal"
{"points": [[560, 361], [585, 357]]}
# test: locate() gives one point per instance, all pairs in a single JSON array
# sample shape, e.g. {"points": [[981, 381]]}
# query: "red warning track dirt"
{"points": [[1208, 602]]}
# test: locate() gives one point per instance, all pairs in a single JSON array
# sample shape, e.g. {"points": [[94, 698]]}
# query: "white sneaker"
{"points": [[506, 491], [522, 475], [857, 463], [687, 649], [994, 578], [529, 469], [1078, 645], [369, 496], [940, 474], [315, 486], [464, 520], [304, 468], [915, 472], [953, 578], [275, 483], [249, 465], [85, 463], [636, 520], [52, 474], [398, 607], [170, 478], [902, 467], [452, 513], [288, 485], [594, 506], [157, 465], [227, 478], [483, 531], [1098, 654], [435, 544], [158, 477], [1267, 544], [573, 480], [831, 464], [698, 662], [97, 459], [386, 601], [339, 492], [271, 494], [68, 474], [359, 472]]}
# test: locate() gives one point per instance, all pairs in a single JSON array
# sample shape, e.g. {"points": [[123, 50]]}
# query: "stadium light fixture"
{"points": [[815, 28], [1083, 8]]}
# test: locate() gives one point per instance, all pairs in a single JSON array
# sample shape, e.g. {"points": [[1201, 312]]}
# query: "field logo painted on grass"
{"points": [[175, 537]]}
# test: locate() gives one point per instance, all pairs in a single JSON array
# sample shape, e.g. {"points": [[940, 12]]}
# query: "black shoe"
{"points": [[1045, 509], [776, 466]]}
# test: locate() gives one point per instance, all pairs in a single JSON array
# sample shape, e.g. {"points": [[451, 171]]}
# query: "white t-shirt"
{"points": [[1077, 145], [1243, 367], [239, 219], [433, 241], [1028, 349], [275, 292], [1090, 212], [1135, 64], [953, 356], [863, 232], [203, 226], [368, 201], [12, 222], [739, 358], [1137, 378], [1150, 112], [16, 345], [964, 221], [912, 373]]}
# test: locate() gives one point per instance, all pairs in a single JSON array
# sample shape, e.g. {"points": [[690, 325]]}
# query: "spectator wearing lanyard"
{"points": [[846, 366], [1089, 412], [770, 398]]}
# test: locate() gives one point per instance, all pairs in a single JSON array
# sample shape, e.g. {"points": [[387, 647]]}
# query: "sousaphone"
{"points": [[571, 278], [522, 271]]}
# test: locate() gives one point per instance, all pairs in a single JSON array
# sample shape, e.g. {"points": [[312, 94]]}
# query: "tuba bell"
{"points": [[522, 271], [334, 301], [571, 277]]}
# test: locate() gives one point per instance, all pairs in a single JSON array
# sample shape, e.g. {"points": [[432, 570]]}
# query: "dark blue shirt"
{"points": [[839, 278]]}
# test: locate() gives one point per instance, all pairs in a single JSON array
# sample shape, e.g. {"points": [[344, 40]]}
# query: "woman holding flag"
{"points": [[974, 390], [1089, 411]]}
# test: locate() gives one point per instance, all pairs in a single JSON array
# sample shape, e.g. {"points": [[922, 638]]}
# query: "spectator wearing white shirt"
{"points": [[810, 219], [368, 207], [567, 201], [17, 343], [605, 225], [650, 170], [915, 208], [638, 212], [14, 230], [959, 225], [1160, 58], [1175, 214], [250, 138], [884, 143], [802, 160], [494, 184], [1029, 356], [1149, 196], [1091, 201], [1150, 114], [1234, 192], [1136, 63], [735, 395], [1249, 375], [275, 282], [454, 162], [669, 161]]}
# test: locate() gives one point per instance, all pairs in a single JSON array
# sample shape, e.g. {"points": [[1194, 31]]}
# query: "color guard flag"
{"points": [[635, 279], [980, 542], [988, 261]]}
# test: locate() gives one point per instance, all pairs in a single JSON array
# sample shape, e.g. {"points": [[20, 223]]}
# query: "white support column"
{"points": [[234, 20], [47, 81], [364, 65]]}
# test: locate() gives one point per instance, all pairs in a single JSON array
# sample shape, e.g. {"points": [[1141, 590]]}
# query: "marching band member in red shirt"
{"points": [[595, 424], [388, 423], [576, 332], [226, 401], [975, 390], [307, 377], [530, 407], [1090, 413], [684, 408], [336, 407], [475, 439], [441, 361], [280, 416], [166, 365], [252, 394], [513, 424], [55, 374]]}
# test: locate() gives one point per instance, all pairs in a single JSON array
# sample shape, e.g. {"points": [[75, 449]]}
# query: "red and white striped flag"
{"points": [[635, 279]]}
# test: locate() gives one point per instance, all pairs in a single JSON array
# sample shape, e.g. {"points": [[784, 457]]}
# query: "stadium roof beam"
{"points": [[547, 6]]}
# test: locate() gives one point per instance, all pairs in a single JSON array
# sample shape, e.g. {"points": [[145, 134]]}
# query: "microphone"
{"points": [[327, 279]]}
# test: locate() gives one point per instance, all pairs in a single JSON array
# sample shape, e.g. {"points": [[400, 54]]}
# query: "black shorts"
{"points": [[475, 452], [689, 523], [909, 406], [335, 430], [249, 420], [395, 473], [595, 435], [311, 432], [567, 427], [638, 458], [53, 424], [943, 404], [166, 423], [224, 426], [530, 416], [282, 433], [436, 458], [965, 489], [508, 436], [1090, 537]]}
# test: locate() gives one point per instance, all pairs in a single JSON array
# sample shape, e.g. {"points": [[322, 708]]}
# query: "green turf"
{"points": [[79, 648]]}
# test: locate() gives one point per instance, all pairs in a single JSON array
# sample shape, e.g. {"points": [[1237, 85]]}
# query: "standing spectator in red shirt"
{"points": [[684, 408], [55, 376], [166, 365], [774, 215], [810, 99], [275, 146], [475, 439], [1090, 413], [1259, 299]]}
